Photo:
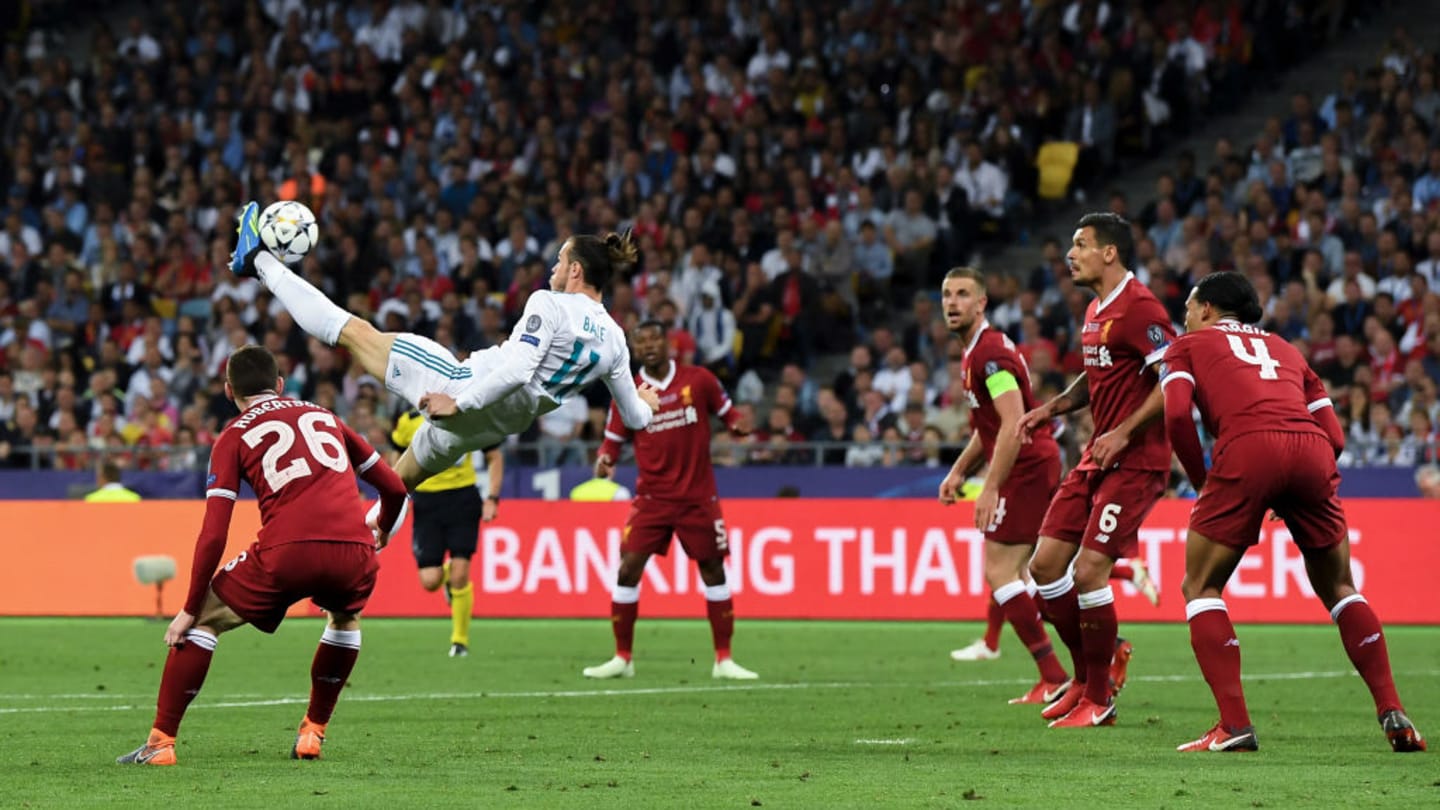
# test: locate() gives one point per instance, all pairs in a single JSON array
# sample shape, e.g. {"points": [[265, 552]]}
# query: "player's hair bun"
{"points": [[621, 250]]}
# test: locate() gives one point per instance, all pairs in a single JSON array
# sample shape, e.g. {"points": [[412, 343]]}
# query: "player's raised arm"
{"points": [[520, 356], [636, 410], [222, 487], [1178, 387]]}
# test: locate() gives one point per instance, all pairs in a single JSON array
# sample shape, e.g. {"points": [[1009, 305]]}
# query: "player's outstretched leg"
{"points": [[624, 610], [312, 310], [720, 610], [988, 647], [334, 660]]}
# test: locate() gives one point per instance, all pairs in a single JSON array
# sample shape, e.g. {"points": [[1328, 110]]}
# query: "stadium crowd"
{"points": [[798, 175]]}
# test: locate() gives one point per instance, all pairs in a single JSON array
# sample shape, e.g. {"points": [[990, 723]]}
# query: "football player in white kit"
{"points": [[564, 341]]}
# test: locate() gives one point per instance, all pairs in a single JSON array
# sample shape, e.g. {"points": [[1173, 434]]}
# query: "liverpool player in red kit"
{"points": [[674, 496], [1096, 515], [314, 542], [1262, 403], [1022, 477]]}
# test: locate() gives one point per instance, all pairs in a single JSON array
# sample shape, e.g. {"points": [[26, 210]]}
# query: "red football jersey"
{"points": [[673, 453], [1246, 380], [301, 461], [991, 352], [1123, 336]]}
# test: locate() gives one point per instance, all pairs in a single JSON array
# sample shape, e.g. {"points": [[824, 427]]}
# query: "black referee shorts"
{"points": [[446, 521]]}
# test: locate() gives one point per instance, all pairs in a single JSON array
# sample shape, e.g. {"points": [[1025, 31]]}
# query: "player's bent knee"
{"points": [[370, 346], [216, 617]]}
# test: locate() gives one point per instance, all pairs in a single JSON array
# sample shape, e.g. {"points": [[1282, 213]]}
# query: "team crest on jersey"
{"points": [[1105, 331], [685, 396]]}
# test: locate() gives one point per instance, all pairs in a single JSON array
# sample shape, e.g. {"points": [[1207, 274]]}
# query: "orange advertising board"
{"points": [[841, 559]]}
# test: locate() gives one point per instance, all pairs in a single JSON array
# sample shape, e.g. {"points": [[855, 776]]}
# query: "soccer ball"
{"points": [[288, 230]]}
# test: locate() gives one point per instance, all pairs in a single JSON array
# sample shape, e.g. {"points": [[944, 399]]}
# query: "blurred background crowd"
{"points": [[799, 176]]}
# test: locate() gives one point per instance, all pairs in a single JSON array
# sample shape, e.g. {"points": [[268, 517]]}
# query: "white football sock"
{"points": [[316, 314]]}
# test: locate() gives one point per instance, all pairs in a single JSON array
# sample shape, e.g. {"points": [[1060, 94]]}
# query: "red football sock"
{"points": [[721, 614], [1060, 606], [1098, 628], [185, 670], [334, 660], [622, 621], [1217, 650], [1364, 642], [994, 619], [1019, 609], [1122, 571]]}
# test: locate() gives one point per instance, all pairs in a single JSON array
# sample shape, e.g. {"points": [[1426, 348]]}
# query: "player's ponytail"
{"points": [[603, 257], [621, 251], [1231, 293]]}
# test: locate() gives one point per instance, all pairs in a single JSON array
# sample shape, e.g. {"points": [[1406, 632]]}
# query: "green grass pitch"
{"points": [[847, 715]]}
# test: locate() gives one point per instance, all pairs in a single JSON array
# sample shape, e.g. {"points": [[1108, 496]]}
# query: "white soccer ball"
{"points": [[288, 229]]}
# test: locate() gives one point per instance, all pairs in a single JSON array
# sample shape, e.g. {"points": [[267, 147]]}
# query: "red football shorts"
{"points": [[698, 524], [1291, 473], [1023, 501], [1103, 509], [260, 585]]}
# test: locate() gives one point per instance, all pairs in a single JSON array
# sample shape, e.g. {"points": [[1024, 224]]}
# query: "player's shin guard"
{"points": [[720, 610], [1217, 651], [624, 609], [1099, 626], [1060, 606], [315, 313], [462, 604], [1019, 608], [994, 620], [185, 670], [1364, 642], [334, 659]]}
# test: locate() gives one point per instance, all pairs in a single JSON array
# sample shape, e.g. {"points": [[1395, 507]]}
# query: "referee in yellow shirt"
{"points": [[448, 511]]}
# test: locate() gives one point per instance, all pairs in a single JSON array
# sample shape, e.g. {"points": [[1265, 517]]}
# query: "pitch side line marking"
{"points": [[645, 691], [664, 690], [901, 741]]}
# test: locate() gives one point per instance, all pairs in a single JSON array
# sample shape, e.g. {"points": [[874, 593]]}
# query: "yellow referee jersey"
{"points": [[459, 476]]}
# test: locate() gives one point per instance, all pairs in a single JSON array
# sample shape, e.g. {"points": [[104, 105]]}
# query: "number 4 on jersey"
{"points": [[1260, 356]]}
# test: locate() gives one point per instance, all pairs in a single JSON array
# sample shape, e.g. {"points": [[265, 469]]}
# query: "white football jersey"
{"points": [[562, 343]]}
